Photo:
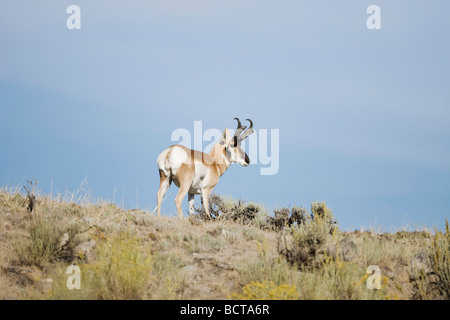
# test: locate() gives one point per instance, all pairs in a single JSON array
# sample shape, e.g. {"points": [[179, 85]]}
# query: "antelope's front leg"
{"points": [[205, 200], [191, 203]]}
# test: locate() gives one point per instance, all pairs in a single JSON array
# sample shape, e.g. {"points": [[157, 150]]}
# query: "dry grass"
{"points": [[135, 255]]}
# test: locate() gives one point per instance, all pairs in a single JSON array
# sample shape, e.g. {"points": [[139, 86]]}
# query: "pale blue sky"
{"points": [[364, 115]]}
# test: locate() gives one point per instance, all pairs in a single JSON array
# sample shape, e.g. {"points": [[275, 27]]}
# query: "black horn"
{"points": [[239, 129], [248, 132]]}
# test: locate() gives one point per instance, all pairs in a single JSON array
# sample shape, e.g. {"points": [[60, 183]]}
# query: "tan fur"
{"points": [[196, 172], [216, 164]]}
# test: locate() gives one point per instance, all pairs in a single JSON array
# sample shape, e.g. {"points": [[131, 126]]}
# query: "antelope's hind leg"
{"points": [[164, 184], [185, 176]]}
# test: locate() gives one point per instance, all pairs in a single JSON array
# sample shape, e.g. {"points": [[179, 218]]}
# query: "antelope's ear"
{"points": [[226, 137]]}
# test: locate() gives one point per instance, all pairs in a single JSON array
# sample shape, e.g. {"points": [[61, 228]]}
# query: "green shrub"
{"points": [[49, 238], [430, 272], [166, 280], [265, 268], [312, 238], [440, 259], [335, 279], [267, 291], [121, 271]]}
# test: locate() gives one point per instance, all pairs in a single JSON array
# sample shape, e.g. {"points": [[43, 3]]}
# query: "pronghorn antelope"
{"points": [[195, 172]]}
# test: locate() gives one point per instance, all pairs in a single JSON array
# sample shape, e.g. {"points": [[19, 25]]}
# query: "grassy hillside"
{"points": [[245, 253]]}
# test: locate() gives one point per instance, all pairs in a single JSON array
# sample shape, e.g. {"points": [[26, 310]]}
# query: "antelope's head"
{"points": [[232, 143]]}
